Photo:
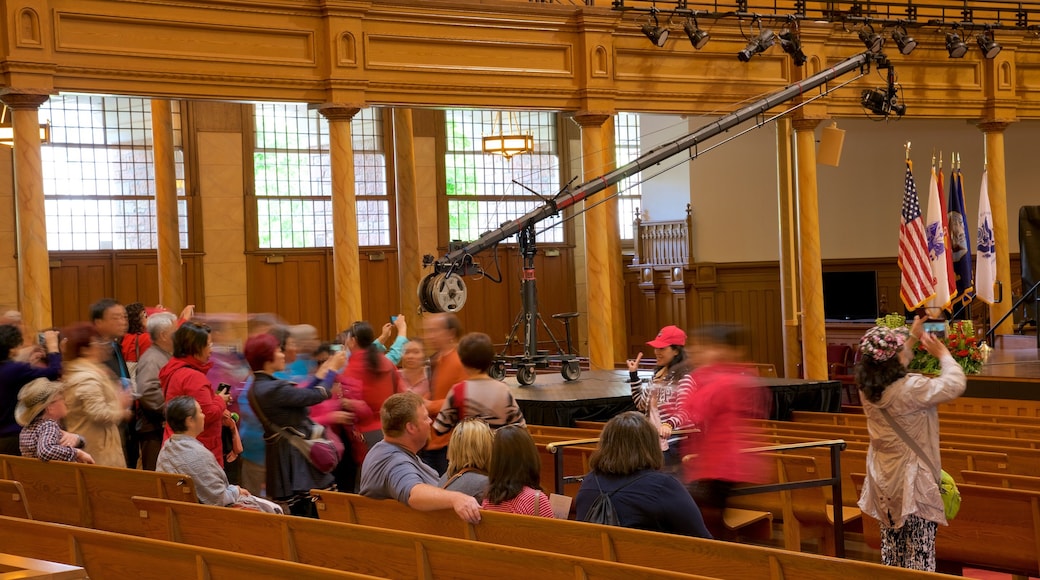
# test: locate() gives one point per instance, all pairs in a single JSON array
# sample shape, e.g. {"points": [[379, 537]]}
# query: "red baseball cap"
{"points": [[669, 336]]}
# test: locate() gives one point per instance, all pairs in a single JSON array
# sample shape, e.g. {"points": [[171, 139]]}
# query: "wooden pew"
{"points": [[725, 560], [996, 529], [91, 496], [379, 551], [1007, 480], [30, 568], [947, 425], [12, 500], [111, 556]]}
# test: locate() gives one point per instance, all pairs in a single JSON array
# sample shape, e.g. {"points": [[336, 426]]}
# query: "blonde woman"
{"points": [[469, 455]]}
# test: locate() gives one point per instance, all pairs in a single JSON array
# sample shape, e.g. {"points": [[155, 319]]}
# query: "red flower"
{"points": [[971, 340], [962, 353]]}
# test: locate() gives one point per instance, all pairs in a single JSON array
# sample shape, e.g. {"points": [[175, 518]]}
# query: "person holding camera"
{"points": [[16, 374]]}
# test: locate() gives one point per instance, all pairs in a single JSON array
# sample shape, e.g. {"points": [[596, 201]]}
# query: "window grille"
{"points": [[480, 188], [293, 177], [99, 173]]}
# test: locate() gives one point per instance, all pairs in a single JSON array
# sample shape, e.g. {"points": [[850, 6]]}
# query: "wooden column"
{"points": [[997, 183], [789, 281], [346, 263], [409, 254], [171, 272], [814, 333], [594, 152], [34, 273], [617, 275]]}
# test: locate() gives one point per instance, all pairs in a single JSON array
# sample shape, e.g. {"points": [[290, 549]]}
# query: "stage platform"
{"points": [[599, 395], [1008, 374]]}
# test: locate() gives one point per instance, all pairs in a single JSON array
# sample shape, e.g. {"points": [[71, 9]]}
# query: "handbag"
{"points": [[951, 496], [320, 452]]}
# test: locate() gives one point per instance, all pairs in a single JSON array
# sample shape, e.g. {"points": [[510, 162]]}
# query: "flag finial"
{"points": [[907, 147]]}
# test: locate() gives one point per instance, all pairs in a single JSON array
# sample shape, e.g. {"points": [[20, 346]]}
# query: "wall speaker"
{"points": [[831, 140]]}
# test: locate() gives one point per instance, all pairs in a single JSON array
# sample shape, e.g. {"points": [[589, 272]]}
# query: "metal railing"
{"points": [[1035, 293]]}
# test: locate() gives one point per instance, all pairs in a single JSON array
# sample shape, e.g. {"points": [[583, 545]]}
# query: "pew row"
{"points": [[996, 529], [12, 500], [91, 496], [112, 556], [377, 551], [22, 568], [725, 560]]}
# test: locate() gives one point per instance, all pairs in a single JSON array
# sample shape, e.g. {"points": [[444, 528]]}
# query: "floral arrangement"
{"points": [[960, 340]]}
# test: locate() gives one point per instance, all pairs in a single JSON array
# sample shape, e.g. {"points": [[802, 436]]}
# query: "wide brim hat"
{"points": [[34, 398]]}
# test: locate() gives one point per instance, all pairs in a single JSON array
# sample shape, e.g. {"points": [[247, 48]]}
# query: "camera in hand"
{"points": [[223, 389], [936, 328]]}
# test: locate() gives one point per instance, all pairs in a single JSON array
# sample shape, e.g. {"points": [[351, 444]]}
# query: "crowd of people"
{"points": [[141, 387]]}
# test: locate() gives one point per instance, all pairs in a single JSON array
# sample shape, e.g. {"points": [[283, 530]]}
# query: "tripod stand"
{"points": [[526, 363]]}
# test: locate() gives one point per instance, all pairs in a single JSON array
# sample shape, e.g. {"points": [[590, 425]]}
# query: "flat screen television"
{"points": [[850, 296]]}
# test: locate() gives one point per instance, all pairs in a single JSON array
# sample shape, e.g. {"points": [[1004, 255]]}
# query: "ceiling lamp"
{"points": [[698, 37], [955, 46], [7, 130], [990, 48], [903, 40], [654, 31], [507, 144], [872, 40], [756, 45]]}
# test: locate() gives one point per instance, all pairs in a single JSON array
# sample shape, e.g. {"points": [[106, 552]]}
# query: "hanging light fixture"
{"points": [[903, 40], [955, 46], [654, 31], [765, 39], [872, 40], [507, 143], [7, 129], [698, 36], [988, 45], [791, 42]]}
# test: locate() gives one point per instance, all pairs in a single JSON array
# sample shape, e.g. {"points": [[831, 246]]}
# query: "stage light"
{"points": [[903, 40], [989, 47], [792, 45], [872, 40], [955, 46], [756, 45], [654, 31], [698, 37]]}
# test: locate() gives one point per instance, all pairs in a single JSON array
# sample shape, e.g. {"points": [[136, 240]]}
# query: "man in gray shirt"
{"points": [[151, 403], [392, 470]]}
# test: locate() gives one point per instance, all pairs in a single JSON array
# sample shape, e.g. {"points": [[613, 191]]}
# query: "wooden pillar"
{"points": [[409, 254], [171, 272], [34, 274], [594, 151], [814, 333], [997, 183], [789, 280], [617, 274], [346, 262]]}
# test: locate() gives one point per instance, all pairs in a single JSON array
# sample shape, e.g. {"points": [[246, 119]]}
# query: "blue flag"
{"points": [[960, 245]]}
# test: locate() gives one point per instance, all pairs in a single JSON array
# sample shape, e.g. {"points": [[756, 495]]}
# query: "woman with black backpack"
{"points": [[626, 487]]}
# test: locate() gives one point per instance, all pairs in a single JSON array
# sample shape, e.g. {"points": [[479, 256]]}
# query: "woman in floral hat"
{"points": [[901, 491]]}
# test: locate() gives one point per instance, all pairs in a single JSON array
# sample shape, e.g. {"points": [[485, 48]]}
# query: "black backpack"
{"points": [[602, 509]]}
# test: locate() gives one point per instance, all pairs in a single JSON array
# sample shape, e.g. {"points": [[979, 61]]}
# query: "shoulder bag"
{"points": [[951, 496], [319, 451]]}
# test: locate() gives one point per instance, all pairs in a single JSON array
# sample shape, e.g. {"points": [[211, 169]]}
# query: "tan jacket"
{"points": [[898, 482], [92, 396]]}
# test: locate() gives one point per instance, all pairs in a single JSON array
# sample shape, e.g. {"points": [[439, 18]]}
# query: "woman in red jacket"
{"points": [[185, 374], [368, 380]]}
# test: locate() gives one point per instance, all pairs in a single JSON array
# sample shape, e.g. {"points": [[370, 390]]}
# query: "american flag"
{"points": [[916, 283]]}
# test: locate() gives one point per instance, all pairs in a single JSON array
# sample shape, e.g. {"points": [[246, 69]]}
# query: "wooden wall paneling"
{"points": [[749, 294], [137, 279], [381, 292], [77, 280], [295, 289]]}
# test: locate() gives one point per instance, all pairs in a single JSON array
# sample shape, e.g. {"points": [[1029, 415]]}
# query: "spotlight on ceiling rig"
{"points": [[955, 46], [792, 45], [990, 48], [654, 31], [765, 39], [903, 40], [698, 36], [870, 39]]}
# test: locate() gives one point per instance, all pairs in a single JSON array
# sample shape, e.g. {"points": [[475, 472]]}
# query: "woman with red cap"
{"points": [[660, 396]]}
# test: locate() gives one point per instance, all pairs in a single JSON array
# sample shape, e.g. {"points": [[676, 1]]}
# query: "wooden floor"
{"points": [[1022, 363]]}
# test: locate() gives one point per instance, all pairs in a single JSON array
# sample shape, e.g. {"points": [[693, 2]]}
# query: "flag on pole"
{"points": [[916, 282], [986, 265], [960, 244], [938, 250]]}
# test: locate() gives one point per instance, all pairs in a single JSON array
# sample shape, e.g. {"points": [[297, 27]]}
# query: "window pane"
{"points": [[480, 187], [627, 145], [291, 160], [99, 174]]}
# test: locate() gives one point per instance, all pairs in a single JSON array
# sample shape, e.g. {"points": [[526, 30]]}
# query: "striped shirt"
{"points": [[523, 504]]}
